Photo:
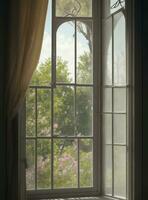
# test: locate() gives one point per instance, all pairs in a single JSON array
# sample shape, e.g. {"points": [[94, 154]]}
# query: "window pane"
{"points": [[84, 52], [43, 164], [30, 171], [86, 163], [44, 112], [84, 111], [65, 52], [64, 111], [107, 100], [120, 100], [30, 113], [74, 8], [42, 74], [107, 128], [120, 171], [119, 128], [119, 50], [108, 169], [115, 5], [65, 163], [107, 52]]}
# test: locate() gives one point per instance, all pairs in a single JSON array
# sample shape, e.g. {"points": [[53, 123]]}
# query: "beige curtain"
{"points": [[25, 39], [25, 32]]}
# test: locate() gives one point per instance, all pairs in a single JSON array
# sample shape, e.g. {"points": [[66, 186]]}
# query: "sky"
{"points": [[65, 42]]}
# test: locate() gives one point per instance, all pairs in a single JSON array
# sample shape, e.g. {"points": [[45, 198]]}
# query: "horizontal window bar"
{"points": [[60, 137]]}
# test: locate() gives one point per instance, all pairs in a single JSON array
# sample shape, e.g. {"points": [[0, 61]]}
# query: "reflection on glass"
{"points": [[42, 74], [120, 100], [43, 112], [107, 128], [30, 112], [84, 52], [108, 169], [86, 162], [43, 164], [107, 52], [119, 128], [107, 100], [65, 163], [119, 50], [74, 8], [84, 111], [30, 170], [65, 52], [64, 111], [120, 171]]}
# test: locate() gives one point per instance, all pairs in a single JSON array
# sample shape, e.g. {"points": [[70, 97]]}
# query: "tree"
{"points": [[64, 124]]}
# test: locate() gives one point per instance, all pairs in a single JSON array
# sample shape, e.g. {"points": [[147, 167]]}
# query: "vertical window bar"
{"points": [[78, 163], [52, 148], [36, 116], [112, 105], [53, 54]]}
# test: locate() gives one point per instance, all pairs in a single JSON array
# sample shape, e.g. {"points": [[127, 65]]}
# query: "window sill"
{"points": [[85, 198]]}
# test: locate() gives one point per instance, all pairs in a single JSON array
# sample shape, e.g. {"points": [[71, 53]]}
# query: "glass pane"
{"points": [[86, 162], [116, 5], [65, 163], [30, 112], [120, 128], [107, 100], [43, 164], [107, 128], [42, 74], [65, 52], [120, 171], [84, 111], [107, 52], [64, 111], [84, 52], [119, 50], [74, 8], [108, 170], [44, 112], [30, 170], [120, 100]]}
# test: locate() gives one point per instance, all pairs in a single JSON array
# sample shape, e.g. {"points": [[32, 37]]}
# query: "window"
{"points": [[77, 104]]}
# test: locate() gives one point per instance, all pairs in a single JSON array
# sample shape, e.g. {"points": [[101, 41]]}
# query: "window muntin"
{"points": [[61, 95]]}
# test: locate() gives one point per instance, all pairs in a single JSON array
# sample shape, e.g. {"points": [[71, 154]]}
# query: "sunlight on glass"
{"points": [[74, 8], [107, 128], [84, 111], [119, 50], [119, 128], [107, 100], [43, 112], [30, 159], [30, 112], [120, 171], [65, 52], [43, 164], [86, 162], [84, 52], [107, 52], [64, 111], [65, 163], [119, 100], [108, 169]]}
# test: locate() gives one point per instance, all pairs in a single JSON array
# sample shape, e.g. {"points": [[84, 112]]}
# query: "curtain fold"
{"points": [[25, 33]]}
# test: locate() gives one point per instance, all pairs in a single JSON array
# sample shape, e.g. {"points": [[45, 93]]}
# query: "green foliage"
{"points": [[65, 151]]}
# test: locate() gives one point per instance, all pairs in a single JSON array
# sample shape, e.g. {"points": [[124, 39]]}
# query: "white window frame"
{"points": [[97, 191]]}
